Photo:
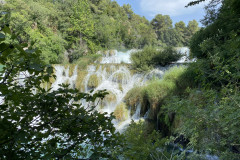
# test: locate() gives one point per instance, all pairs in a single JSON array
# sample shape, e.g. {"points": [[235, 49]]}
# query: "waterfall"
{"points": [[117, 57], [136, 115], [62, 76], [112, 73]]}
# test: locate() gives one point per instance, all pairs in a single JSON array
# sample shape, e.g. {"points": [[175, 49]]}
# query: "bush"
{"points": [[142, 142], [166, 56], [149, 57], [215, 118], [143, 60]]}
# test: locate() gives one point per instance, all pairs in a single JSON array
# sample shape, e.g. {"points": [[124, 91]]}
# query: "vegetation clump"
{"points": [[93, 81], [133, 98], [109, 98], [84, 61], [120, 77], [81, 74], [150, 57], [121, 112]]}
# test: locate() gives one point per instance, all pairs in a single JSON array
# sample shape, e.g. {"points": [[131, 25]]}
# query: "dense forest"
{"points": [[67, 30], [193, 109]]}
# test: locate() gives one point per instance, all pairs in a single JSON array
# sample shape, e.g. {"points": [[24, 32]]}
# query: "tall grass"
{"points": [[157, 91]]}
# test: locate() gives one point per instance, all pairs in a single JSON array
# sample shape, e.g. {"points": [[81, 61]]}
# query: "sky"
{"points": [[174, 8]]}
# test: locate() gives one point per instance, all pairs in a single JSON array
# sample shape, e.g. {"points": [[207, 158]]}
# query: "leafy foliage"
{"points": [[38, 123], [142, 142], [167, 35], [66, 30], [207, 115]]}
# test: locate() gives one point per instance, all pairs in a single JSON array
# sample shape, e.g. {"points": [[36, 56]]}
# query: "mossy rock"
{"points": [[93, 81], [134, 96], [105, 52], [80, 78], [112, 52], [110, 97], [120, 87], [109, 68], [121, 112], [71, 69], [119, 77]]}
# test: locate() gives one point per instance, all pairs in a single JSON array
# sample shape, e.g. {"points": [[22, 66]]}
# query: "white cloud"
{"points": [[168, 7]]}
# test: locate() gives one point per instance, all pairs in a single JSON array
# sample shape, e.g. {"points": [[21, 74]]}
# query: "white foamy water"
{"points": [[185, 51], [62, 76], [118, 57]]}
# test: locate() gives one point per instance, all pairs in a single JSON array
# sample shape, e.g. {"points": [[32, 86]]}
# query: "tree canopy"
{"points": [[67, 30]]}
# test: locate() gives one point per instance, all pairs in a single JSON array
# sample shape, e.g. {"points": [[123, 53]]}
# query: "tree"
{"points": [[41, 124], [181, 30], [192, 27]]}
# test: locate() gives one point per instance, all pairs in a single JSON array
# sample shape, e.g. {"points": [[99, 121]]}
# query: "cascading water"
{"points": [[117, 57], [62, 76], [114, 75]]}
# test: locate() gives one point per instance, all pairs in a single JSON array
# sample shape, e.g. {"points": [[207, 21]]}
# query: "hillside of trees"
{"points": [[67, 30]]}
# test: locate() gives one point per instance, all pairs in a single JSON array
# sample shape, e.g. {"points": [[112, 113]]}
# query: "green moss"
{"points": [[157, 90], [84, 61], [174, 73], [110, 97], [81, 74], [134, 97], [120, 87], [112, 52], [118, 77], [121, 112], [71, 69], [105, 52], [93, 81]]}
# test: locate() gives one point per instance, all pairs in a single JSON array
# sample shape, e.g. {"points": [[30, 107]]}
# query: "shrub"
{"points": [[215, 118], [142, 142], [143, 60], [149, 57], [166, 56]]}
